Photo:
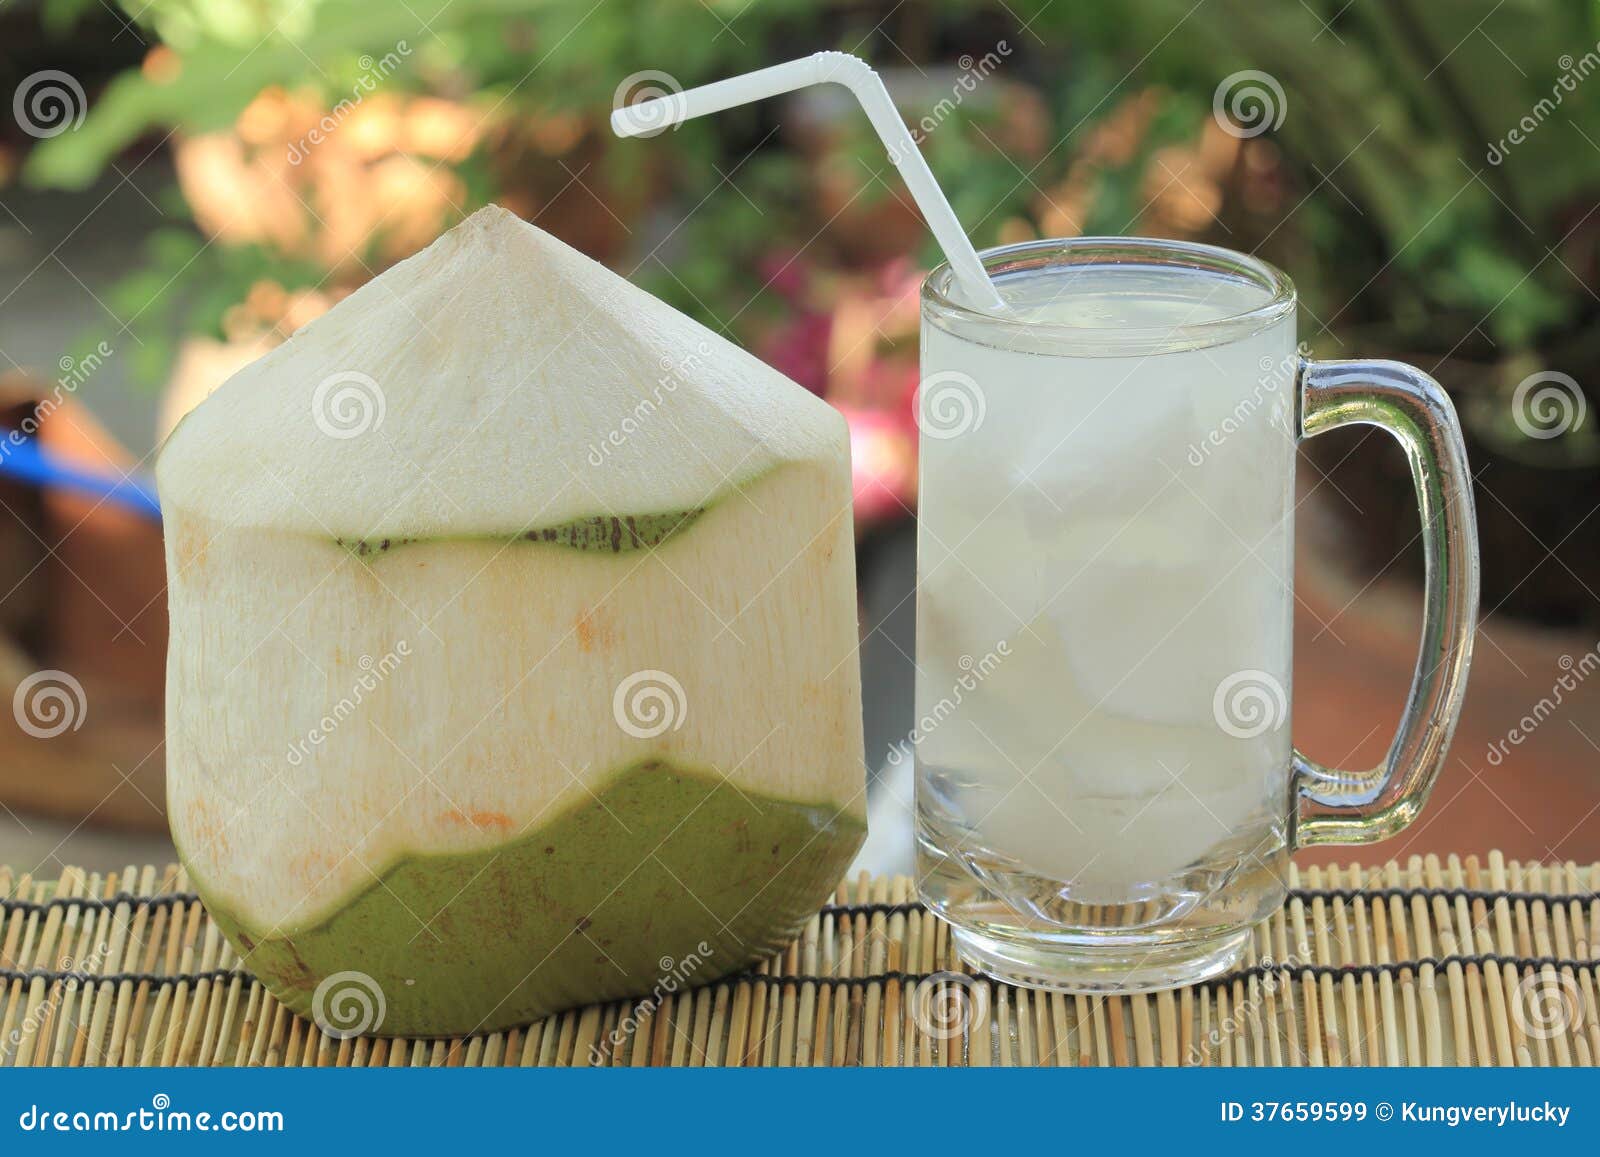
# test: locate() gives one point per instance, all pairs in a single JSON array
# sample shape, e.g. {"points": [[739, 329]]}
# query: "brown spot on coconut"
{"points": [[593, 630]]}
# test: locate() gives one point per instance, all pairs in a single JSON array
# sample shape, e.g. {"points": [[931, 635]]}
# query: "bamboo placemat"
{"points": [[1453, 962]]}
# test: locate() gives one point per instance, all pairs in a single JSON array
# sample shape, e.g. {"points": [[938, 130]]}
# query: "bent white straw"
{"points": [[653, 116]]}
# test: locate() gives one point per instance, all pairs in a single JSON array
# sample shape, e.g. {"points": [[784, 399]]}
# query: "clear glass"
{"points": [[1107, 792]]}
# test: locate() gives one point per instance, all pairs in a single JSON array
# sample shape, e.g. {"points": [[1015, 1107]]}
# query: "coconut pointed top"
{"points": [[496, 382]]}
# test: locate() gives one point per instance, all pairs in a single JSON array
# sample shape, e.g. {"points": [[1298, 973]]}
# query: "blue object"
{"points": [[24, 460]]}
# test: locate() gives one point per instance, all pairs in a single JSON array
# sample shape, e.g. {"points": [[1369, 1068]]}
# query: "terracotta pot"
{"points": [[83, 633]]}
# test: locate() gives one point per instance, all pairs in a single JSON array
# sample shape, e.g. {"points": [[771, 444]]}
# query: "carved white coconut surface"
{"points": [[338, 704]]}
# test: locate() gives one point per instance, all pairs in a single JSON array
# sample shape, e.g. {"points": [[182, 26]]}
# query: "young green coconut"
{"points": [[513, 646]]}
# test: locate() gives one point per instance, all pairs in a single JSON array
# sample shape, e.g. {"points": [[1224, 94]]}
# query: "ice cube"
{"points": [[1101, 453], [1136, 803], [1152, 613]]}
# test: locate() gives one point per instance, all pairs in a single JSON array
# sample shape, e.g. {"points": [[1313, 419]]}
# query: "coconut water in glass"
{"points": [[1107, 792]]}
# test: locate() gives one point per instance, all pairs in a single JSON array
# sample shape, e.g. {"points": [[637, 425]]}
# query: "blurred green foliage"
{"points": [[1396, 117], [1400, 223]]}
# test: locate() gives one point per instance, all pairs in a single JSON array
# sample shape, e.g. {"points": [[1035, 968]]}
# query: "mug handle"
{"points": [[1334, 806]]}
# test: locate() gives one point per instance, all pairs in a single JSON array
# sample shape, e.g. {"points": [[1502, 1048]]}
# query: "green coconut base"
{"points": [[662, 879]]}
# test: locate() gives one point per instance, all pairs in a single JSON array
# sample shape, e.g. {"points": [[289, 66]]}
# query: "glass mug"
{"points": [[1107, 794]]}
